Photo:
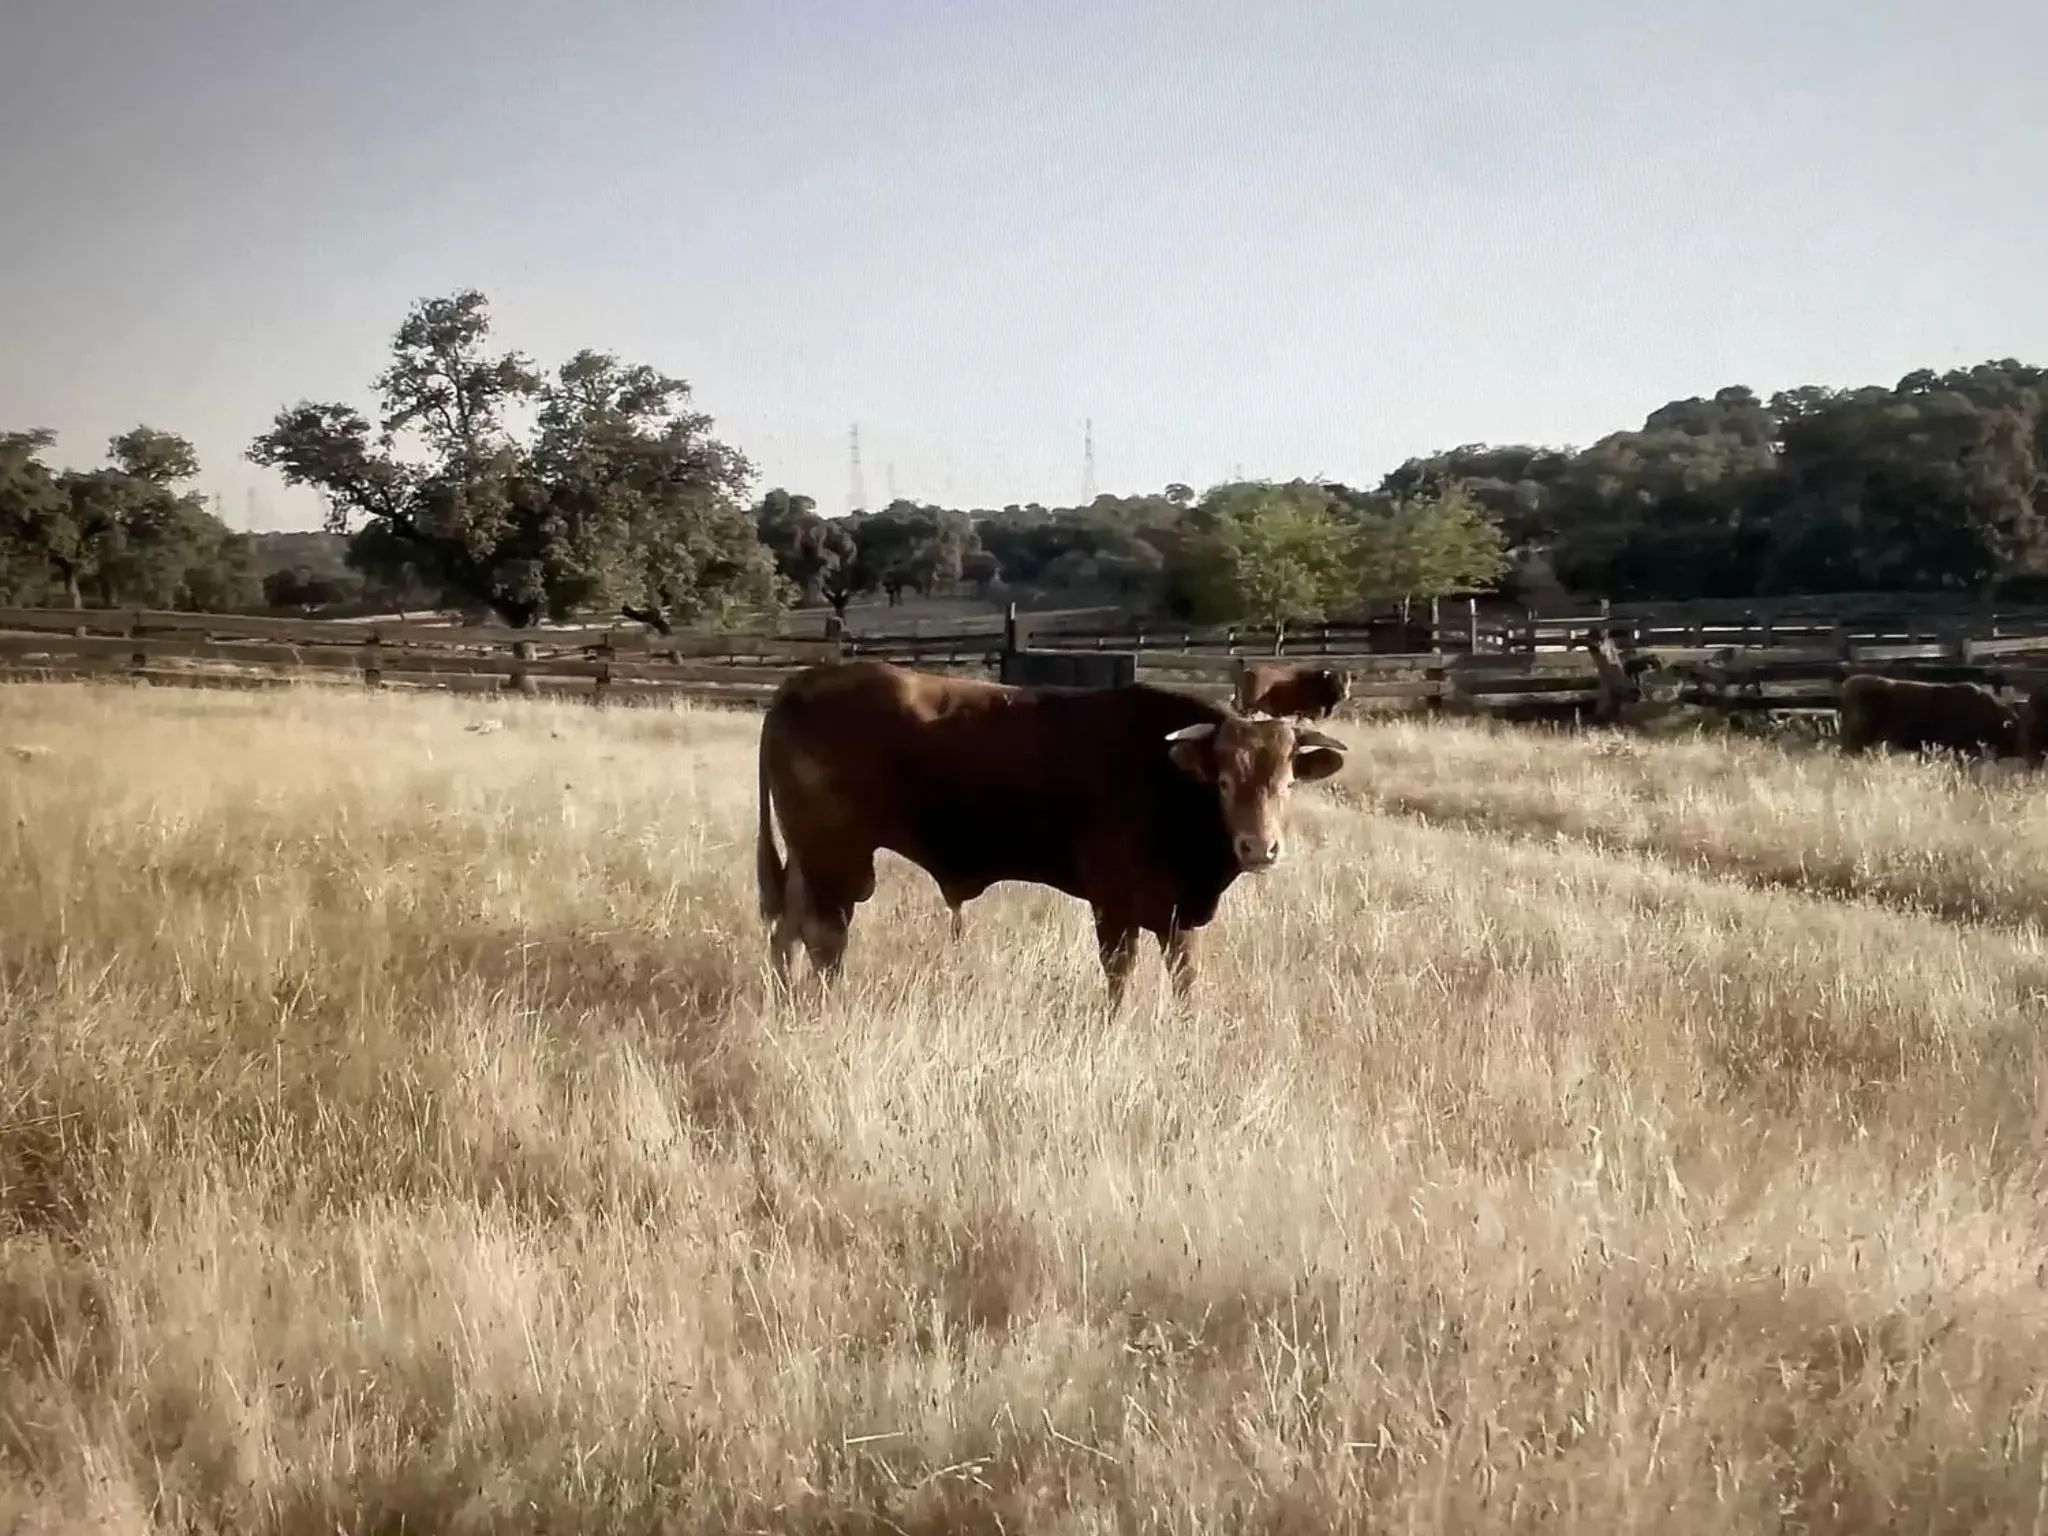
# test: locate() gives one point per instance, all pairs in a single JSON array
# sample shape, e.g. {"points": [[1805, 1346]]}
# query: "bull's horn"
{"points": [[1194, 732], [1318, 739]]}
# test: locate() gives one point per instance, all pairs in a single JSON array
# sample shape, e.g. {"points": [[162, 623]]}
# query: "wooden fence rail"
{"points": [[1473, 633], [1785, 664]]}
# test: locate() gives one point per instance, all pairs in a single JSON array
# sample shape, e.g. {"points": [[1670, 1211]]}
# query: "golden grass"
{"points": [[396, 1133], [1968, 841]]}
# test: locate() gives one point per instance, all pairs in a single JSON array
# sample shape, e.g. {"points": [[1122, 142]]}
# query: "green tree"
{"points": [[841, 577], [160, 458], [816, 555], [1271, 555], [1431, 544], [126, 533], [983, 569], [647, 504], [33, 507], [620, 497], [1939, 482]]}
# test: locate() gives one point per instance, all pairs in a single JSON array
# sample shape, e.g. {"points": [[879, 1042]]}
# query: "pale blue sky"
{"points": [[1291, 237]]}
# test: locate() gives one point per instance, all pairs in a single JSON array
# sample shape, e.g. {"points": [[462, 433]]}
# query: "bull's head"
{"points": [[1339, 681], [1253, 761]]}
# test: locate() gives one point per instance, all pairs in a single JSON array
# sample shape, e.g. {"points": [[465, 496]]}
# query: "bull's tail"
{"points": [[768, 868]]}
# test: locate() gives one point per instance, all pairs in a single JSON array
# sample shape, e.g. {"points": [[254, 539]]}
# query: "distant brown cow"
{"points": [[1908, 715], [1284, 688], [1143, 802]]}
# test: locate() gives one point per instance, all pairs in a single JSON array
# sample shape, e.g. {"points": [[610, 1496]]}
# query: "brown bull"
{"points": [[1143, 802], [1908, 715], [1285, 688]]}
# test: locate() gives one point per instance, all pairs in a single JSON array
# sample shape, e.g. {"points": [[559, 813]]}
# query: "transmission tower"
{"points": [[857, 490], [1088, 462]]}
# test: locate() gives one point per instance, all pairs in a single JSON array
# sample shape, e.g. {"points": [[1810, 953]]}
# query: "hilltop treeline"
{"points": [[1935, 483], [481, 480]]}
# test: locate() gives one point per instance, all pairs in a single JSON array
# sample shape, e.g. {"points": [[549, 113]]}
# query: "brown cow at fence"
{"points": [[1143, 802], [1287, 689], [1908, 715]]}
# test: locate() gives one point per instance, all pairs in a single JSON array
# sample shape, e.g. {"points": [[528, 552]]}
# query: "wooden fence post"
{"points": [[1472, 624], [522, 680], [138, 658], [372, 661]]}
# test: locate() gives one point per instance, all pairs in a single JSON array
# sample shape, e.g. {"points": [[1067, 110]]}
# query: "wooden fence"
{"points": [[1467, 628], [1781, 661]]}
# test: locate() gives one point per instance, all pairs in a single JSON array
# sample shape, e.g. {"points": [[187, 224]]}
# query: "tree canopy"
{"points": [[128, 534], [477, 478], [1934, 484], [616, 496]]}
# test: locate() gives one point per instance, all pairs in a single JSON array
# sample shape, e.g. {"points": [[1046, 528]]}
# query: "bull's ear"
{"points": [[1189, 747], [1316, 756]]}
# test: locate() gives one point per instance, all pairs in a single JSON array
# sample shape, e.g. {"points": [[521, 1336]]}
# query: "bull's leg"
{"points": [[1116, 941], [818, 911], [955, 900], [825, 924], [788, 925], [782, 940], [957, 895], [825, 943], [1177, 945]]}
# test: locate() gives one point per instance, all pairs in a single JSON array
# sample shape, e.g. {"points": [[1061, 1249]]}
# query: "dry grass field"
{"points": [[396, 1133]]}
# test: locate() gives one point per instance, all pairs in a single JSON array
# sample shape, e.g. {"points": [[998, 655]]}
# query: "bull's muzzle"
{"points": [[1255, 851]]}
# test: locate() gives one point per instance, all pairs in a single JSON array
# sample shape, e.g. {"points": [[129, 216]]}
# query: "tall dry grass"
{"points": [[395, 1133], [1961, 840]]}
